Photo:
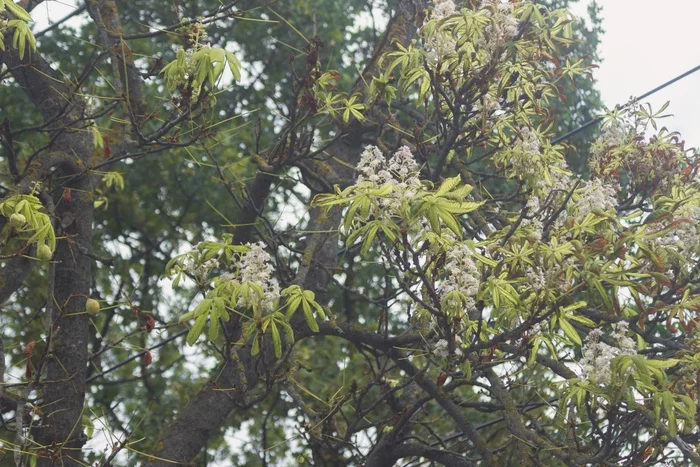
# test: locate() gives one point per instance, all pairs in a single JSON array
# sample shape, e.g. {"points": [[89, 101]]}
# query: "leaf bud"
{"points": [[17, 220], [44, 253]]}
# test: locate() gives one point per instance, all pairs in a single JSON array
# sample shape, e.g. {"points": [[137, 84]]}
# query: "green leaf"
{"points": [[234, 65], [641, 364], [533, 351], [663, 364], [467, 370], [287, 329], [570, 331], [276, 339], [450, 222], [667, 401], [22, 36], [367, 242], [256, 345], [487, 261], [308, 314], [213, 326], [601, 291], [319, 310], [581, 319], [197, 329], [448, 185], [293, 305]]}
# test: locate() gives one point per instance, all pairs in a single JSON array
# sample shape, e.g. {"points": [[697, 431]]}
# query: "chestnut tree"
{"points": [[364, 249]]}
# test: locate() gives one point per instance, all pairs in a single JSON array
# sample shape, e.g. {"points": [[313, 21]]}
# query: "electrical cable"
{"points": [[599, 118]]}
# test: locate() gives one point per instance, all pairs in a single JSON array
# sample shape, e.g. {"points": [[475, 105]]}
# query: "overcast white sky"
{"points": [[646, 43]]}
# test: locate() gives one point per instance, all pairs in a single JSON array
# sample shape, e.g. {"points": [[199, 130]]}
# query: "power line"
{"points": [[592, 122]]}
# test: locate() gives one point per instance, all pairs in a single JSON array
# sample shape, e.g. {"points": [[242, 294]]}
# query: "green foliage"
{"points": [[480, 255], [296, 297], [28, 221], [22, 35], [204, 65]]}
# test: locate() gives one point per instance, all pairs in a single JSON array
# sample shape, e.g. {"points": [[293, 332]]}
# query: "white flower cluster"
{"points": [[502, 27], [539, 277], [521, 157], [441, 348], [651, 163], [197, 34], [685, 234], [256, 267], [530, 142], [533, 207], [401, 170], [596, 194], [598, 356], [199, 270], [371, 167], [462, 276], [441, 42], [487, 105], [612, 136], [561, 182], [444, 8]]}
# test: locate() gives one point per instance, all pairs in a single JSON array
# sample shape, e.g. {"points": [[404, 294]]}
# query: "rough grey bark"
{"points": [[60, 431]]}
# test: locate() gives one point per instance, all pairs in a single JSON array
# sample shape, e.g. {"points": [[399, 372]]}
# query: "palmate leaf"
{"points": [[38, 224], [307, 300], [22, 36], [369, 231], [438, 209], [269, 326], [447, 201], [175, 71], [211, 308], [353, 109]]}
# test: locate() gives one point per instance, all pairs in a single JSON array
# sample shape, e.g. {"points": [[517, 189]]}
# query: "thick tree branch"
{"points": [[60, 430]]}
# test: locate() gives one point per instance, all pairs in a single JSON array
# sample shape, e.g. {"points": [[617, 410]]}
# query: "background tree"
{"points": [[527, 290]]}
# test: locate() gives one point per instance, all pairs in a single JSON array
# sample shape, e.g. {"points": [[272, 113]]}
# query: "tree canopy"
{"points": [[337, 233]]}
